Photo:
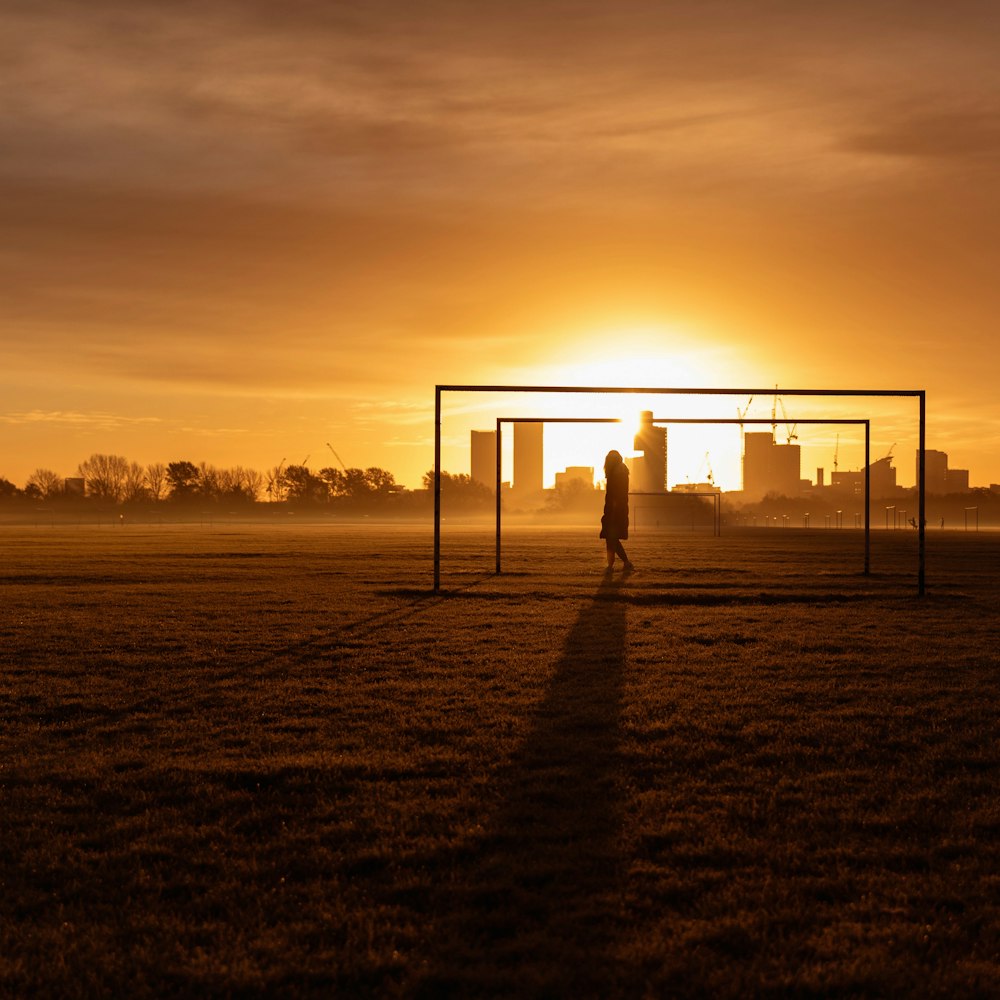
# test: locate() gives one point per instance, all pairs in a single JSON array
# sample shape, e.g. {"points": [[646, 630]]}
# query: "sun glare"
{"points": [[640, 357]]}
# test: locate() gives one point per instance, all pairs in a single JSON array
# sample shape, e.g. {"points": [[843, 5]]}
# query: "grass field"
{"points": [[238, 760]]}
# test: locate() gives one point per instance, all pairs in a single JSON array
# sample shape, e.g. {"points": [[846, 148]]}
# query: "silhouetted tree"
{"points": [[380, 481], [183, 480], [274, 484], [156, 480], [134, 486], [44, 483], [303, 487], [237, 485], [575, 496], [334, 480], [7, 488], [105, 476], [207, 486], [461, 489], [251, 482]]}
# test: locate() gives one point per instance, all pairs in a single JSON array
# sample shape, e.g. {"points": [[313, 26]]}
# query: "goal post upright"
{"points": [[499, 475], [921, 493], [676, 391], [437, 487], [868, 498]]}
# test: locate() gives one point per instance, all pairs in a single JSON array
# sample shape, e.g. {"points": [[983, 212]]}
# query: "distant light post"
{"points": [[891, 507], [967, 509], [827, 518], [805, 520], [840, 518]]}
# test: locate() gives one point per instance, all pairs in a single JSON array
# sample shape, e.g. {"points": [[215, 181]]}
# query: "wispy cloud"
{"points": [[70, 418]]}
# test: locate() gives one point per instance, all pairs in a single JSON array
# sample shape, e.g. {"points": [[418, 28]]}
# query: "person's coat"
{"points": [[614, 522]]}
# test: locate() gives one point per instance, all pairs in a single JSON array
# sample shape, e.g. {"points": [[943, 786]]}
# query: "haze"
{"points": [[233, 232]]}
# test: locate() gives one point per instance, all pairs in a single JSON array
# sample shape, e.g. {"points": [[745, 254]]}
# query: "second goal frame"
{"points": [[716, 526]]}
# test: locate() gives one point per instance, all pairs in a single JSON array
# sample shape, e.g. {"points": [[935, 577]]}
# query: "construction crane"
{"points": [[789, 428], [336, 456], [306, 459], [836, 453], [274, 482], [708, 465], [774, 416], [740, 414], [888, 454]]}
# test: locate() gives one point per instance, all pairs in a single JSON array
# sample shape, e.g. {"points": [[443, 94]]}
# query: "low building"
{"points": [[576, 474]]}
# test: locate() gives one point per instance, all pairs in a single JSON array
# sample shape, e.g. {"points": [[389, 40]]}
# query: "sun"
{"points": [[639, 357]]}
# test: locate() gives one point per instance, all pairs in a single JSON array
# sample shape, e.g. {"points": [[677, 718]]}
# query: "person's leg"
{"points": [[620, 550], [612, 542]]}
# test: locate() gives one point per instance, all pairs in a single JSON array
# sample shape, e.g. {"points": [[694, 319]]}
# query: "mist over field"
{"points": [[259, 759]]}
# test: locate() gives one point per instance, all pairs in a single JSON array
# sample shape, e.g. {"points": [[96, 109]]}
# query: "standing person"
{"points": [[614, 522]]}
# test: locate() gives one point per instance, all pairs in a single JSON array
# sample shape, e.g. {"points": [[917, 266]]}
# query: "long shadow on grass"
{"points": [[530, 910]]}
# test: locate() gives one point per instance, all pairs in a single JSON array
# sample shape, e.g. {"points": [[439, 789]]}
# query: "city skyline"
{"points": [[232, 236]]}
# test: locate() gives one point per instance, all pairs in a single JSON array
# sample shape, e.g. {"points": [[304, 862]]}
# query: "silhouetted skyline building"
{"points": [[483, 446], [938, 478], [576, 473], [769, 467], [529, 458], [881, 482], [935, 470], [649, 471]]}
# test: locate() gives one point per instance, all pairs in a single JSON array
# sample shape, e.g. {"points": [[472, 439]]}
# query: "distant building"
{"points": [[576, 473], [935, 470], [528, 458], [484, 458], [769, 467], [696, 488], [650, 469], [958, 480], [938, 478], [882, 479]]}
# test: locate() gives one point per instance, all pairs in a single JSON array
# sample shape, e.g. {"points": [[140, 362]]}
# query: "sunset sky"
{"points": [[233, 232]]}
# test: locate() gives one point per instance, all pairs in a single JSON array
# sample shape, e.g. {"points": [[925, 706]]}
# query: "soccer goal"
{"points": [[918, 394]]}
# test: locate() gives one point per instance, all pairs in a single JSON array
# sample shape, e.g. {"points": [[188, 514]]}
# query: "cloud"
{"points": [[959, 135], [77, 420]]}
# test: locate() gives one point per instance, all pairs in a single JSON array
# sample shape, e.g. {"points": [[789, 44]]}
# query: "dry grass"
{"points": [[244, 761]]}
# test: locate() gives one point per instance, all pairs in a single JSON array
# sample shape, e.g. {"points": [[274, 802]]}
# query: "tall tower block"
{"points": [[652, 442], [484, 457], [528, 458]]}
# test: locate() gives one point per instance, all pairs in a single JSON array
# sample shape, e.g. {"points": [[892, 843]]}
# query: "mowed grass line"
{"points": [[245, 760]]}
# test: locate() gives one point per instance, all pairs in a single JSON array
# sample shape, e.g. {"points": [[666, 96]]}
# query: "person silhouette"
{"points": [[614, 520]]}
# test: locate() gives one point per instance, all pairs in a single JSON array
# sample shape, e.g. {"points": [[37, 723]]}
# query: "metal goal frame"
{"points": [[919, 394]]}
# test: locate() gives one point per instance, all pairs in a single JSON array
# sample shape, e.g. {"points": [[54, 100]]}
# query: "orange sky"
{"points": [[235, 231]]}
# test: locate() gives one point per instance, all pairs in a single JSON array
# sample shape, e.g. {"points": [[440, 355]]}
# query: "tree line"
{"points": [[113, 479]]}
